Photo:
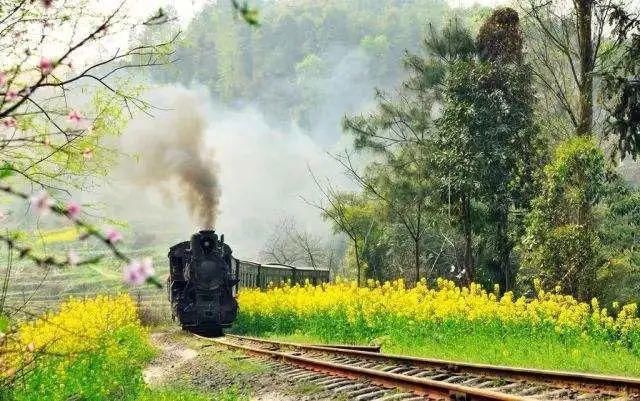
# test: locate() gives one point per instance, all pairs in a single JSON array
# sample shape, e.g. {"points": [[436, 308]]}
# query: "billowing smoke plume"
{"points": [[174, 156], [264, 164]]}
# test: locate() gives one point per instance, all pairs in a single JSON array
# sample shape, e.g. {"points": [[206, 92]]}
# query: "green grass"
{"points": [[305, 388], [237, 362], [487, 345], [179, 394]]}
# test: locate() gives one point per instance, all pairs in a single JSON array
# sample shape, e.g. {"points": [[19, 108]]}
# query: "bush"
{"points": [[561, 245]]}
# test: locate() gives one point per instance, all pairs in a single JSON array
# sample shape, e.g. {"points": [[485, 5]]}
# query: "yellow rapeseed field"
{"points": [[376, 305], [91, 348], [80, 324]]}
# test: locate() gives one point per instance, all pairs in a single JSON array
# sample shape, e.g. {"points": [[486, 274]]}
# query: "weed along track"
{"points": [[370, 375]]}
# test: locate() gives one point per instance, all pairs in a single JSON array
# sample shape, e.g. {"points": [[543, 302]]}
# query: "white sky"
{"points": [[188, 8]]}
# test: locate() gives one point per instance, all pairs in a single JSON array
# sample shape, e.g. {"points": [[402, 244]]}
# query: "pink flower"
{"points": [[137, 272], [3, 78], [41, 203], [9, 122], [75, 117], [131, 273], [113, 235], [72, 258], [11, 96], [3, 215], [73, 210], [45, 65], [146, 267]]}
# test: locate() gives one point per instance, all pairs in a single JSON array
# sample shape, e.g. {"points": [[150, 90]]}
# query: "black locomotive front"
{"points": [[201, 283]]}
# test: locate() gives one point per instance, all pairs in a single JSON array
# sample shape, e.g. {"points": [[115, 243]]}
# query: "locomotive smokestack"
{"points": [[174, 157]]}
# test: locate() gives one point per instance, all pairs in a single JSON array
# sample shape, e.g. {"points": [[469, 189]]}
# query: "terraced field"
{"points": [[31, 290]]}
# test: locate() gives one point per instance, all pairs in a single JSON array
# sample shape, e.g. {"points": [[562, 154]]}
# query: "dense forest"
{"points": [[493, 154], [308, 62]]}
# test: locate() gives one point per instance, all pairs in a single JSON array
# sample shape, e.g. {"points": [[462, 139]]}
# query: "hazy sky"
{"points": [[187, 8]]}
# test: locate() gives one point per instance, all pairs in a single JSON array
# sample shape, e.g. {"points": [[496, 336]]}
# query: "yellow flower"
{"points": [[377, 302], [80, 325]]}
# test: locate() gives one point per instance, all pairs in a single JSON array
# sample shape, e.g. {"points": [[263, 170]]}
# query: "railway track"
{"points": [[366, 374]]}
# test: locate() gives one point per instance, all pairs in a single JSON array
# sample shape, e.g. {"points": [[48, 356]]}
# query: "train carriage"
{"points": [[251, 274]]}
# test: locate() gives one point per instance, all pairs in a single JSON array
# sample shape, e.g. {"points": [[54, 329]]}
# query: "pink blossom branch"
{"points": [[70, 51], [107, 239]]}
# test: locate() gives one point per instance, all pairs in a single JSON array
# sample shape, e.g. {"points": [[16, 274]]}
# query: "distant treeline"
{"points": [[302, 53]]}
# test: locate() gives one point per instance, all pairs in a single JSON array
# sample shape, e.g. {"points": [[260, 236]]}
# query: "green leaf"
{"points": [[6, 170], [92, 260], [154, 281], [4, 324]]}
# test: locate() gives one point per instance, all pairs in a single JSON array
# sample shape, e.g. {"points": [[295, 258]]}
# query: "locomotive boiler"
{"points": [[202, 284]]}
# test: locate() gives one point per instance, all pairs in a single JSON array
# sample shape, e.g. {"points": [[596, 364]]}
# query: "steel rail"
{"points": [[421, 386], [366, 348], [618, 384]]}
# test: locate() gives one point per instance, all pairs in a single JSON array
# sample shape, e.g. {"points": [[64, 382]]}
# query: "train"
{"points": [[204, 278]]}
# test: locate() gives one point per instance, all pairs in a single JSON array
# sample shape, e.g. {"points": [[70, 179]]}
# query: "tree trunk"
{"points": [[468, 238], [358, 268], [584, 14], [416, 254], [504, 246]]}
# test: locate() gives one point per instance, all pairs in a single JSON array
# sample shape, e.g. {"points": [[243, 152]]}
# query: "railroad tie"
{"points": [[372, 396]]}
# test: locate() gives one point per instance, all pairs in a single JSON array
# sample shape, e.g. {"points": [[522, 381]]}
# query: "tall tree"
{"points": [[488, 138], [575, 37], [463, 121]]}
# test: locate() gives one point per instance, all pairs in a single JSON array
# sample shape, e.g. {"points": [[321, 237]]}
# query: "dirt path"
{"points": [[173, 355], [185, 361]]}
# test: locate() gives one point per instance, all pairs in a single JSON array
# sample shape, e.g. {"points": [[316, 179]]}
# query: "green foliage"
{"points": [[561, 245], [487, 146], [619, 278], [250, 15], [621, 88], [453, 43], [74, 163], [486, 130], [500, 37], [460, 139], [4, 323], [361, 219], [172, 395], [6, 170], [377, 47]]}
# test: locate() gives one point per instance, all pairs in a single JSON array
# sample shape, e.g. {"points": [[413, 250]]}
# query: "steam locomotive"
{"points": [[204, 278], [201, 283]]}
